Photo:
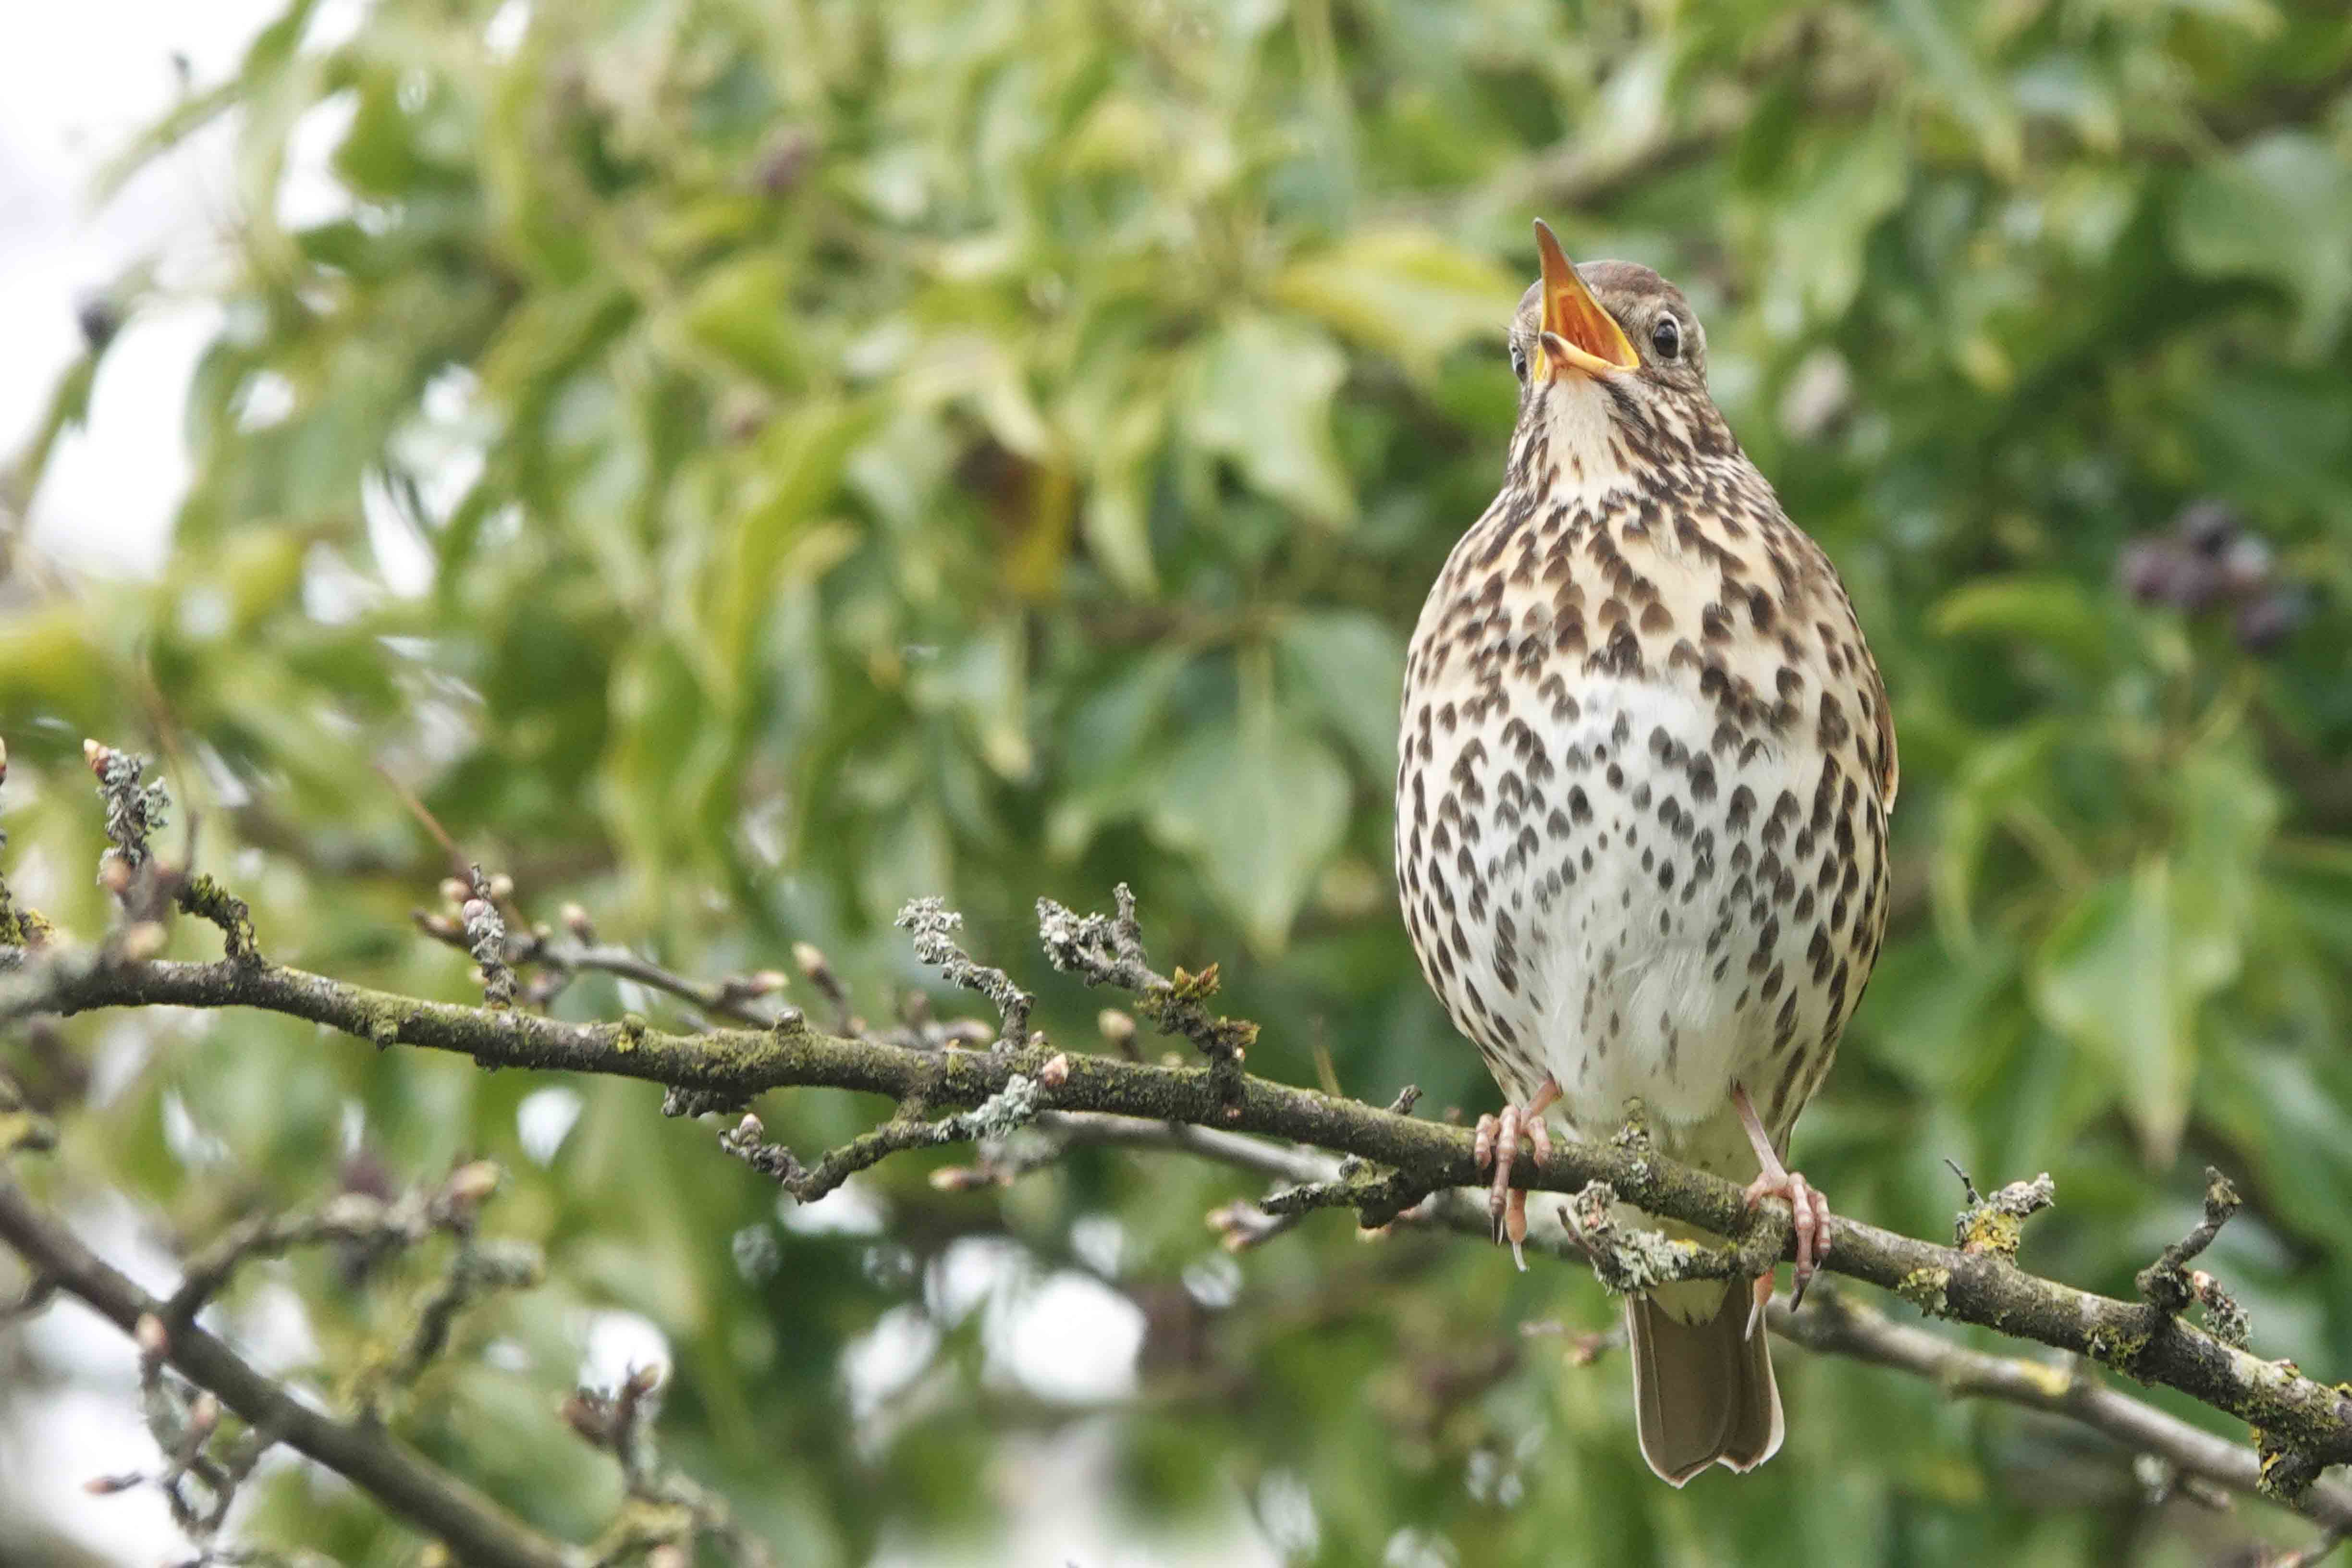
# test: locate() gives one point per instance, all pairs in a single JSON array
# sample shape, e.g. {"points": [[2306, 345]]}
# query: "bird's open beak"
{"points": [[1578, 334]]}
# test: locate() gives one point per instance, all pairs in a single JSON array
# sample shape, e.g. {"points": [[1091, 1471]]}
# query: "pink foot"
{"points": [[1811, 1211], [1807, 1208], [1496, 1141]]}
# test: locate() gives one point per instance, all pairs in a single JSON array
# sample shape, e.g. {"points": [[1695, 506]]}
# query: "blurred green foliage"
{"points": [[750, 465]]}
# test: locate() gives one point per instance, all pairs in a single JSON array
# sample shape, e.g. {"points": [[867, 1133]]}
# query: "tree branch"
{"points": [[1831, 1324], [1836, 1325], [2305, 1424], [476, 1530]]}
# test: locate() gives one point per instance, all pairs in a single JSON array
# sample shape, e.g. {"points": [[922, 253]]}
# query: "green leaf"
{"points": [[1818, 235], [2070, 88], [1997, 771], [1407, 293], [1117, 516], [1350, 665], [2291, 427], [1108, 743], [2279, 209], [1934, 1014], [984, 682], [779, 539], [1261, 395], [743, 310], [2224, 813], [1949, 65], [2049, 611], [2122, 975], [1259, 809]]}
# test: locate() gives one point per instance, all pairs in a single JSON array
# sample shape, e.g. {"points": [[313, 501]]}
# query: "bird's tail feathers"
{"points": [[1703, 1389]]}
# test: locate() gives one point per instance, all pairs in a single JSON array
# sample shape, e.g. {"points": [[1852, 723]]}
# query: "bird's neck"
{"points": [[1582, 436]]}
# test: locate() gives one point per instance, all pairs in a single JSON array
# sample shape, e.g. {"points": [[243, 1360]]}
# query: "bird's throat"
{"points": [[1571, 440]]}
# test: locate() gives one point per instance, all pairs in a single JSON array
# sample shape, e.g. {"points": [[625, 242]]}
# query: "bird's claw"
{"points": [[1761, 1288], [1496, 1141], [1809, 1211]]}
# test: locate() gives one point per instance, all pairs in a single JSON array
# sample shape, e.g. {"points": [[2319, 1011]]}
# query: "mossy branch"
{"points": [[2307, 1422]]}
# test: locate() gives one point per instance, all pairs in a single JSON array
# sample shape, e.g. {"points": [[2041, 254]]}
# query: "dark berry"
{"points": [[2246, 564], [2147, 570], [2208, 526], [2267, 621]]}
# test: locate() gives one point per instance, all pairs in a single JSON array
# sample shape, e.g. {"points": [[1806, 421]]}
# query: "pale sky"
{"points": [[78, 81]]}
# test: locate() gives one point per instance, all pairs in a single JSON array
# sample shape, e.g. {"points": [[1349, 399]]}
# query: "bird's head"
{"points": [[1611, 347]]}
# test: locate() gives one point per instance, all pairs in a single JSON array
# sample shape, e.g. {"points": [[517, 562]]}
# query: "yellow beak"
{"points": [[1578, 334]]}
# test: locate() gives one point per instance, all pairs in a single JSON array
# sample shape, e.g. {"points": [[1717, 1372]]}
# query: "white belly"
{"points": [[1637, 908]]}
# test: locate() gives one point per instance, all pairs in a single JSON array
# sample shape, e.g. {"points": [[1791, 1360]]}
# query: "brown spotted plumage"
{"points": [[1641, 805]]}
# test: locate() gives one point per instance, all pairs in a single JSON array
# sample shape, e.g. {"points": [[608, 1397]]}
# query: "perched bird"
{"points": [[1642, 805]]}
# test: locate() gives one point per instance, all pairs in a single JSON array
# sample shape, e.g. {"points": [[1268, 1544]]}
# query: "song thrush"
{"points": [[1642, 804]]}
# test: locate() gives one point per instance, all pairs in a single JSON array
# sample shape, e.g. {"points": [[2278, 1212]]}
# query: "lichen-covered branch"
{"points": [[1996, 1225], [1009, 1108], [2173, 1287], [2305, 1425], [559, 960], [933, 926], [485, 932], [1838, 1325], [1830, 1324], [1107, 950], [135, 809]]}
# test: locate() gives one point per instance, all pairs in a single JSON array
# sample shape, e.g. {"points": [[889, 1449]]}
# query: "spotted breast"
{"points": [[1642, 821]]}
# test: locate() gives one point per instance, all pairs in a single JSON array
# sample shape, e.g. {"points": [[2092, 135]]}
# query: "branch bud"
{"points": [[1118, 1028], [469, 1183]]}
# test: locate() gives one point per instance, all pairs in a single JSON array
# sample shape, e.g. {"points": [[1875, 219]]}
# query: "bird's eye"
{"points": [[1518, 362], [1666, 337]]}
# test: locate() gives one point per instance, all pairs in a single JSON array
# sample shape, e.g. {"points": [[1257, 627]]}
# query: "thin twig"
{"points": [[476, 1530], [1107, 950], [934, 925]]}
